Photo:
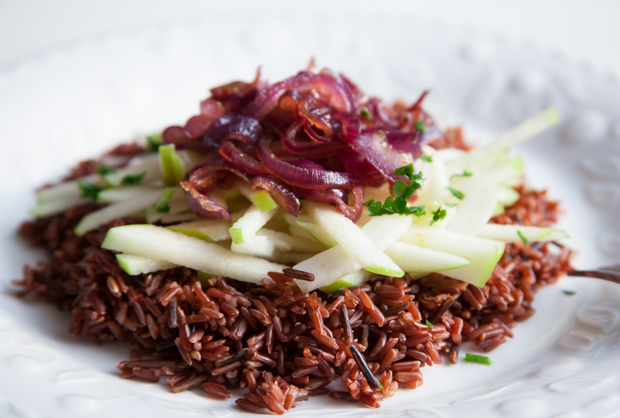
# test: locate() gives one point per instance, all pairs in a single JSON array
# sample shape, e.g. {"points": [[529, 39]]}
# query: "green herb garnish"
{"points": [[104, 171], [427, 158], [420, 126], [89, 189], [402, 191], [133, 179], [364, 112], [438, 215], [154, 141], [456, 193], [475, 358], [523, 238], [569, 292], [162, 205], [429, 323], [465, 173]]}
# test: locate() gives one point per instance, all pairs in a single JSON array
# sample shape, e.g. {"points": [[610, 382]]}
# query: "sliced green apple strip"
{"points": [[507, 195], [160, 243], [117, 210], [286, 242], [354, 241], [510, 233], [483, 253], [355, 279], [258, 246], [330, 265], [247, 226], [414, 259], [67, 191], [134, 265], [318, 233], [259, 197], [205, 229], [527, 129], [476, 207], [171, 165], [115, 195], [57, 206]]}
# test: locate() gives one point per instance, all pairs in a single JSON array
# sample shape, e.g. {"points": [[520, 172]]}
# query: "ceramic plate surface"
{"points": [[76, 102]]}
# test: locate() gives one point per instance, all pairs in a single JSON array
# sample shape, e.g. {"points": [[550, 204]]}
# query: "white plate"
{"points": [[76, 102]]}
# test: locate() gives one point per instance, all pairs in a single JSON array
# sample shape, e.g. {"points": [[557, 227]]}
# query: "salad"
{"points": [[297, 239]]}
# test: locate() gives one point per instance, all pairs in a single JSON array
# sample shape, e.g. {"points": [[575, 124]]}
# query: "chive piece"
{"points": [[465, 173], [89, 189], [420, 126], [427, 158], [523, 238], [475, 358], [456, 193], [569, 292], [162, 204], [133, 179], [429, 324], [364, 112], [154, 141], [104, 171]]}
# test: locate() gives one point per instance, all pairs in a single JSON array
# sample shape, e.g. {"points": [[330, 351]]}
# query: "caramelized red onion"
{"points": [[303, 136], [378, 152], [241, 160], [283, 194], [329, 86], [312, 178], [337, 197]]}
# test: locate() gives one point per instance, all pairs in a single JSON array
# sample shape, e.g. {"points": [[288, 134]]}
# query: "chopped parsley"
{"points": [[402, 191], [427, 158], [429, 323], [456, 193], [162, 205], [104, 171], [154, 141], [523, 238], [438, 215], [569, 292], [465, 173], [475, 358], [89, 189], [133, 179], [420, 126], [364, 113]]}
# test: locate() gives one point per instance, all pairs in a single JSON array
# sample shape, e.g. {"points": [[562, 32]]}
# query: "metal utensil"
{"points": [[611, 274]]}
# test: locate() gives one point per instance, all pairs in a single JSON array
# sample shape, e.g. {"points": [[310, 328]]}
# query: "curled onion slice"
{"points": [[241, 159], [312, 178], [353, 211], [241, 128], [176, 135], [327, 85], [283, 194]]}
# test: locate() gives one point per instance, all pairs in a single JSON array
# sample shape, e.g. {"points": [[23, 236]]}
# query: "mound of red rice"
{"points": [[278, 343]]}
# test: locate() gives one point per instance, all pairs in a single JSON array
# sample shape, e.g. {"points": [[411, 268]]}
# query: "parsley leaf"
{"points": [[402, 192], [133, 179], [438, 215], [103, 170], [89, 189], [456, 193], [427, 158], [364, 112], [162, 205], [420, 126], [154, 141], [523, 238], [569, 292]]}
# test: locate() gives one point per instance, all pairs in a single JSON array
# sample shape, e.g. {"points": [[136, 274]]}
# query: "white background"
{"points": [[581, 29]]}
